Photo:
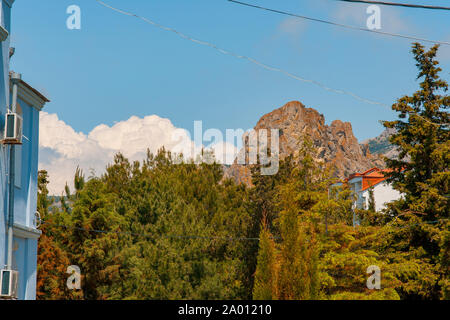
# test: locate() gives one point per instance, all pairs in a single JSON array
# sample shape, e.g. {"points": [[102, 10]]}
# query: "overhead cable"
{"points": [[254, 61], [396, 4], [340, 24]]}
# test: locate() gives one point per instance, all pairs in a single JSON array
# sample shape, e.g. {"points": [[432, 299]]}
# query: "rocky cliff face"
{"points": [[335, 143], [381, 146]]}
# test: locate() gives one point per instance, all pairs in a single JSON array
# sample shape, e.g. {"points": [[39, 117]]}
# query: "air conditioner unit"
{"points": [[13, 129], [9, 284]]}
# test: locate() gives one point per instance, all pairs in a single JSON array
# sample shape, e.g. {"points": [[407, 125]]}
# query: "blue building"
{"points": [[20, 200]]}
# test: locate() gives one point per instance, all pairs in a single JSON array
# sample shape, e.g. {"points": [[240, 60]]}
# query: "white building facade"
{"points": [[373, 179]]}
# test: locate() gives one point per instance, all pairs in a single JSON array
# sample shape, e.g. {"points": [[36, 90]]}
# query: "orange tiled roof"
{"points": [[370, 177]]}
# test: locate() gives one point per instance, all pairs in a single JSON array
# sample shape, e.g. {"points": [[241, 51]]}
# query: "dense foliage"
{"points": [[422, 174], [170, 229]]}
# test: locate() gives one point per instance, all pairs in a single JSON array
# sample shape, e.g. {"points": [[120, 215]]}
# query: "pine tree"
{"points": [[423, 140], [421, 174]]}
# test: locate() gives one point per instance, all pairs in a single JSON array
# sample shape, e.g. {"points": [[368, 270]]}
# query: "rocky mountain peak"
{"points": [[336, 143]]}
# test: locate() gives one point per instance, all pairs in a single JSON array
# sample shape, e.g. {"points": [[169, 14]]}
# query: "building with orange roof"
{"points": [[375, 178]]}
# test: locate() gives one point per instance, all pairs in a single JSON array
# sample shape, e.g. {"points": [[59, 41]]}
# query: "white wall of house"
{"points": [[383, 193]]}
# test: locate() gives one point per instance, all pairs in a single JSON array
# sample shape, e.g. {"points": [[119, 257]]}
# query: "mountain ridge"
{"points": [[380, 144], [335, 143]]}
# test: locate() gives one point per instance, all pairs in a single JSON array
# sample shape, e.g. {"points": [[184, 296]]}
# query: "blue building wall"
{"points": [[25, 192], [5, 22], [26, 189], [25, 201]]}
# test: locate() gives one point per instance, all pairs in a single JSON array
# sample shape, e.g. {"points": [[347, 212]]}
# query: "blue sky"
{"points": [[117, 66]]}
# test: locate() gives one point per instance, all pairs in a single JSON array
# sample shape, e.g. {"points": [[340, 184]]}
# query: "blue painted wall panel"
{"points": [[4, 97], [23, 210], [25, 201], [25, 250]]}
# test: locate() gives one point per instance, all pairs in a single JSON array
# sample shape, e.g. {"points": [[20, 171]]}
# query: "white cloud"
{"points": [[62, 149], [292, 30], [292, 26], [225, 152]]}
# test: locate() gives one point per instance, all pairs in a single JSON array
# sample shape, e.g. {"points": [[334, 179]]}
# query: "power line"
{"points": [[407, 5], [351, 27], [254, 61], [340, 24], [430, 122]]}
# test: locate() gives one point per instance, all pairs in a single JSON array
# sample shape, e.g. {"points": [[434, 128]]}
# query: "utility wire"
{"points": [[339, 24], [430, 122], [407, 5], [263, 65], [254, 61], [351, 27]]}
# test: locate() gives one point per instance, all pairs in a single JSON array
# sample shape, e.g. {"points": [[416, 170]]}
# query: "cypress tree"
{"points": [[265, 275]]}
